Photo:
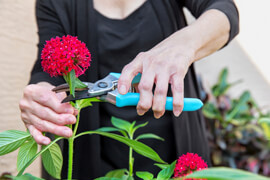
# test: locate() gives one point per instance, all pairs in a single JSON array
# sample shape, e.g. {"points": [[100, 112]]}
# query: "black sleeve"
{"points": [[48, 26], [197, 7]]}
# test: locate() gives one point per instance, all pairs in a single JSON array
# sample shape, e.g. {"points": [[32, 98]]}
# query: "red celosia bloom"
{"points": [[187, 164], [61, 55]]}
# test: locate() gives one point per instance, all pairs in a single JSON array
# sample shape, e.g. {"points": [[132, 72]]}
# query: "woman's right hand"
{"points": [[42, 111]]}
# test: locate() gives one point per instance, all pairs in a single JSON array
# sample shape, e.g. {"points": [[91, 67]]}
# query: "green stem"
{"points": [[70, 147], [131, 157], [70, 157], [130, 162], [77, 123]]}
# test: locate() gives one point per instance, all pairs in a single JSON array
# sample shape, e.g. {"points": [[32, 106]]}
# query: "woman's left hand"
{"points": [[166, 63]]}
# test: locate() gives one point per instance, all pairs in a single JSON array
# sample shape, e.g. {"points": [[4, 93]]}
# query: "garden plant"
{"points": [[69, 57]]}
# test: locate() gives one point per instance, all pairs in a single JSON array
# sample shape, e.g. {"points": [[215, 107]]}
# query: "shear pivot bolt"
{"points": [[102, 85]]}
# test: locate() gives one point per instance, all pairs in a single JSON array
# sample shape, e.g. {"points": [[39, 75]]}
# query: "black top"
{"points": [[119, 41], [78, 18]]}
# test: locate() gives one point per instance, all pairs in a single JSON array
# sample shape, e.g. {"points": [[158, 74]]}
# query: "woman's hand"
{"points": [[162, 65], [42, 111], [168, 62]]}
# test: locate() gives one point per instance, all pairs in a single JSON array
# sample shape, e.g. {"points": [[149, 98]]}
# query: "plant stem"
{"points": [[77, 123], [130, 162], [130, 157], [70, 148], [70, 157]]}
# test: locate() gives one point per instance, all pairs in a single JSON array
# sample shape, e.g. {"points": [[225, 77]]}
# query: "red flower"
{"points": [[188, 163], [61, 55]]}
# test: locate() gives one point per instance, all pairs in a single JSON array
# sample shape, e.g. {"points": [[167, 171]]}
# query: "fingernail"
{"points": [[46, 141], [69, 111], [140, 112], [71, 120], [177, 113], [122, 89], [67, 132]]}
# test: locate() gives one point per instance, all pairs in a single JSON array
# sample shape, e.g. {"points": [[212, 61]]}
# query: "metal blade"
{"points": [[79, 95], [65, 87]]}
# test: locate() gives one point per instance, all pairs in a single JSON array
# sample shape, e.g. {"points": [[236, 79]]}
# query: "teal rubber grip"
{"points": [[135, 80], [132, 99]]}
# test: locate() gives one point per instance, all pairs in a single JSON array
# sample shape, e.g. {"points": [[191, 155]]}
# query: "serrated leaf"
{"points": [[149, 136], [166, 173], [224, 173], [144, 175], [26, 152], [52, 160], [11, 140], [118, 173], [137, 146], [121, 124]]}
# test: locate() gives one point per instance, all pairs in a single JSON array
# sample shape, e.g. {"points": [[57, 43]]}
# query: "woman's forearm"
{"points": [[207, 34]]}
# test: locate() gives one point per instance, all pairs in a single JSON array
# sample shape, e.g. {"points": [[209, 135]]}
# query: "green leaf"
{"points": [[70, 78], [118, 173], [26, 152], [121, 124], [79, 84], [162, 166], [243, 100], [39, 153], [265, 123], [83, 103], [166, 173], [52, 160], [137, 146], [108, 129], [26, 176], [144, 175], [139, 126], [108, 178], [11, 140], [224, 173], [149, 136], [210, 111]]}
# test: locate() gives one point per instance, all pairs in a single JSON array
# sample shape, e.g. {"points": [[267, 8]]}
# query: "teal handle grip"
{"points": [[132, 99], [135, 80]]}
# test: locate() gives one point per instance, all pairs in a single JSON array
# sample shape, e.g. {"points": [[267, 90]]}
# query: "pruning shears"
{"points": [[106, 91]]}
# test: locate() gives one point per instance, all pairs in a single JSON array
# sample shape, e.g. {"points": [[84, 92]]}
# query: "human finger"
{"points": [[46, 126], [49, 115], [160, 95], [145, 88], [37, 135], [47, 98], [177, 86], [128, 73]]}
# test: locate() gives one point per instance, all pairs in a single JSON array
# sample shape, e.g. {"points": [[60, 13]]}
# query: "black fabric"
{"points": [[77, 17], [130, 35]]}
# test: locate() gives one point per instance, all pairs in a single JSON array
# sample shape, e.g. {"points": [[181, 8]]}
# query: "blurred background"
{"points": [[247, 58]]}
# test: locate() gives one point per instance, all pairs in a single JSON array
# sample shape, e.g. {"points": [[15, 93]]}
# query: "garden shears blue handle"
{"points": [[106, 90]]}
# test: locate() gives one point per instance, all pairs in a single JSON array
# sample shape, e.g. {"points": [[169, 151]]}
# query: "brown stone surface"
{"points": [[18, 52]]}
